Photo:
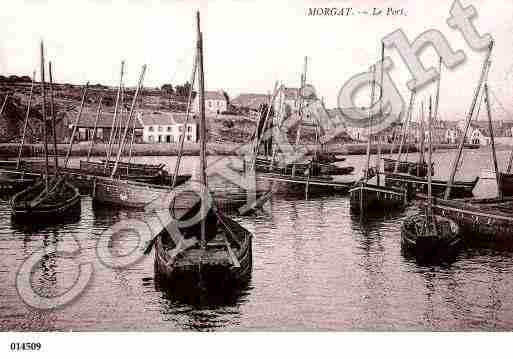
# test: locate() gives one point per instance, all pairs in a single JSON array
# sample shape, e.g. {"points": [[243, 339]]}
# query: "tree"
{"points": [[183, 90], [168, 88]]}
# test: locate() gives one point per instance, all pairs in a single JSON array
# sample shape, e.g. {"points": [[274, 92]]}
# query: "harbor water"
{"points": [[316, 267]]}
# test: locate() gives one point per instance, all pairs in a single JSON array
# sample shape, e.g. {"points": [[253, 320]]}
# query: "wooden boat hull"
{"points": [[139, 195], [488, 219], [300, 169], [430, 247], [506, 184], [368, 197], [193, 267], [11, 182], [413, 184], [412, 168], [297, 185], [139, 174], [22, 210]]}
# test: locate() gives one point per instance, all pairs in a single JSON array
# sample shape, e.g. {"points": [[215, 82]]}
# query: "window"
{"points": [[210, 103], [189, 128], [150, 129], [151, 139], [189, 138], [168, 128], [180, 128], [160, 138], [160, 128]]}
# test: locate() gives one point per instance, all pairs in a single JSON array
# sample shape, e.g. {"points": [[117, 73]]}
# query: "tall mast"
{"points": [[454, 167], [130, 114], [203, 157], [405, 130], [75, 126], [189, 101], [492, 139], [422, 138], [4, 103], [369, 132], [97, 118], [430, 195], [25, 124], [378, 155], [43, 94], [114, 117], [52, 111]]}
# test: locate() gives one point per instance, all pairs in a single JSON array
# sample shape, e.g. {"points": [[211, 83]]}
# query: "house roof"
{"points": [[291, 93], [215, 95], [89, 117], [157, 118], [250, 100]]}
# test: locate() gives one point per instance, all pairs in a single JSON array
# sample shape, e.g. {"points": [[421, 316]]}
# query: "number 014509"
{"points": [[25, 346]]}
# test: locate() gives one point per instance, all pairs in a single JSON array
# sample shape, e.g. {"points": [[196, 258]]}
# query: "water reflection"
{"points": [[196, 309]]}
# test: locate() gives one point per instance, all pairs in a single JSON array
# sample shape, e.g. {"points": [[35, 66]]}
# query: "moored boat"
{"points": [[36, 202], [365, 197], [431, 240], [414, 184]]}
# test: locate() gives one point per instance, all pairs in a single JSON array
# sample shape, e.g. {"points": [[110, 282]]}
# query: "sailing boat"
{"points": [[430, 237], [412, 176], [365, 196], [148, 173], [54, 196], [223, 253], [485, 217], [313, 175]]}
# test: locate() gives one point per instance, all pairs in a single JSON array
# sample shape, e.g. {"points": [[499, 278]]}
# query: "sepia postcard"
{"points": [[254, 166]]}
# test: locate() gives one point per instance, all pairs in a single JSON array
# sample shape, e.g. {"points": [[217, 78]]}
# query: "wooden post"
{"points": [[98, 114], [120, 150], [492, 139], [25, 123], [469, 119], [52, 110], [75, 126], [43, 110], [114, 118]]}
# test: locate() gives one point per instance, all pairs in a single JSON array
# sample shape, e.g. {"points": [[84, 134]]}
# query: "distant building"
{"points": [[85, 128], [216, 102], [166, 127], [250, 101]]}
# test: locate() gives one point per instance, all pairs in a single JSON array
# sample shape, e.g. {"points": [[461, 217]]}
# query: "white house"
{"points": [[166, 127], [216, 102]]}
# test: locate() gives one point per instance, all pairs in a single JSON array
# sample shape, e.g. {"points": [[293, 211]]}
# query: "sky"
{"points": [[248, 45]]}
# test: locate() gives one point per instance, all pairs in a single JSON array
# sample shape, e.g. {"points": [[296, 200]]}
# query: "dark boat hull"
{"points": [[430, 247], [413, 184], [21, 209], [367, 197], [297, 185], [135, 173], [487, 219], [185, 269], [506, 184], [407, 167]]}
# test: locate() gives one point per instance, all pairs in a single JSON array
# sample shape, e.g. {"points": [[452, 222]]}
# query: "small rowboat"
{"points": [[37, 202], [225, 260], [430, 240]]}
